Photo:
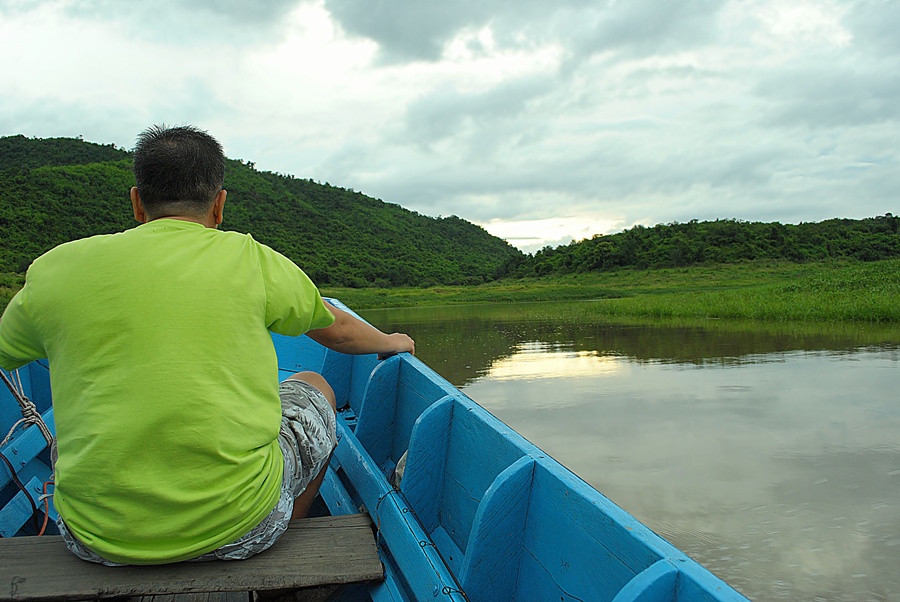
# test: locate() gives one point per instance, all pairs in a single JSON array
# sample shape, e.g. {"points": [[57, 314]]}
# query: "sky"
{"points": [[543, 121]]}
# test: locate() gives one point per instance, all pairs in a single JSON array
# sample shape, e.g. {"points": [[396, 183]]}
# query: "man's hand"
{"points": [[401, 342]]}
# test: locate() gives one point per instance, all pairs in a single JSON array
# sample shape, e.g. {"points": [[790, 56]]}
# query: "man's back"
{"points": [[165, 379]]}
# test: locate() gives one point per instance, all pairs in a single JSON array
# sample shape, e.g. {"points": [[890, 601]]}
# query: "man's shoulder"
{"points": [[74, 246]]}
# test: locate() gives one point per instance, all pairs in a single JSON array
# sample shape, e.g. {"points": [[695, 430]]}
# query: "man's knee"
{"points": [[318, 381]]}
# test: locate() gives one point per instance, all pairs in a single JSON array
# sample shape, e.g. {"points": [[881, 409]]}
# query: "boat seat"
{"points": [[313, 552]]}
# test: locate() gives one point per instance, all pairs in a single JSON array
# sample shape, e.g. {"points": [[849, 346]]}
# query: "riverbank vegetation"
{"points": [[844, 291]]}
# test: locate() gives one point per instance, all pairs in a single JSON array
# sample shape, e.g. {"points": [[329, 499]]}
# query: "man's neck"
{"points": [[207, 221]]}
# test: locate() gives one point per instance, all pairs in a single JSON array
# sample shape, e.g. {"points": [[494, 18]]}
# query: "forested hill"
{"points": [[60, 189], [720, 241]]}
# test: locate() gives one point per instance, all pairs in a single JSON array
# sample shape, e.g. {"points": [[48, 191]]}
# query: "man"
{"points": [[174, 440]]}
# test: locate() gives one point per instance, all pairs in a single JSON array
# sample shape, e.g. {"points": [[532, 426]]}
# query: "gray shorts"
{"points": [[307, 438]]}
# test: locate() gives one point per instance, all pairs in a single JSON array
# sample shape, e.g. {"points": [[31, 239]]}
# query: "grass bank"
{"points": [[817, 292], [625, 283]]}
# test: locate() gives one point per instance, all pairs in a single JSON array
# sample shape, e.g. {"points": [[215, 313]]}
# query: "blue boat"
{"points": [[465, 508]]}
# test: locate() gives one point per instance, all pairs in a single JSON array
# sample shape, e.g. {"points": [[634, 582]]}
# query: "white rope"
{"points": [[30, 414]]}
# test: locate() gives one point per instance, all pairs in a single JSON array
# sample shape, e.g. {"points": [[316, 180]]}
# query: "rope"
{"points": [[46, 499], [30, 414], [22, 488]]}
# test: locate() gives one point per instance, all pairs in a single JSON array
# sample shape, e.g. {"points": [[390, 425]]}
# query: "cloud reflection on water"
{"points": [[537, 360]]}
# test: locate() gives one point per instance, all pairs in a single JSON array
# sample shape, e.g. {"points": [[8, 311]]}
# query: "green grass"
{"points": [[832, 291], [845, 293], [603, 285]]}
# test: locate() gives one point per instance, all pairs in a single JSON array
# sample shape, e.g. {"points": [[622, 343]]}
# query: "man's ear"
{"points": [[219, 206], [137, 206]]}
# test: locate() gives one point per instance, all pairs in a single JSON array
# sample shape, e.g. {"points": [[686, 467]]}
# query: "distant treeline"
{"points": [[720, 241], [61, 189]]}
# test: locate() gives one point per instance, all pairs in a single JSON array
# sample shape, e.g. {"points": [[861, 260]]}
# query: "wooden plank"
{"points": [[204, 597], [313, 552]]}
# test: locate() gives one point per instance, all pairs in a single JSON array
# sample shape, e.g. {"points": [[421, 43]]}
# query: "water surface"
{"points": [[769, 454]]}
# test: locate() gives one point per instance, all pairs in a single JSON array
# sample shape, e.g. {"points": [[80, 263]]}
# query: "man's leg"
{"points": [[304, 501]]}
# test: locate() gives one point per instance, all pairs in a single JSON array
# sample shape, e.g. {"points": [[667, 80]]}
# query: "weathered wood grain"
{"points": [[204, 597], [313, 552]]}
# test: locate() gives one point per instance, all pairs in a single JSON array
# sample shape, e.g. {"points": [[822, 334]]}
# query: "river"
{"points": [[770, 454]]}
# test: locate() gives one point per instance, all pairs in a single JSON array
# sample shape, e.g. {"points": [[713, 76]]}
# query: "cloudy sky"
{"points": [[544, 121]]}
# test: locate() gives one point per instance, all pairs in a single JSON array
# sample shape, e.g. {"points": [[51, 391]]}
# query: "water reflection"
{"points": [[463, 342], [541, 361], [769, 455]]}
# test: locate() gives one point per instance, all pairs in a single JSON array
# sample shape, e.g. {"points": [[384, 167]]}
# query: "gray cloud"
{"points": [[408, 30], [873, 24], [446, 112], [641, 27], [832, 95], [183, 22]]}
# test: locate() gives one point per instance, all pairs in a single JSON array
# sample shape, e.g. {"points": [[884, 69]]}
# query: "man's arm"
{"points": [[349, 335], [19, 341]]}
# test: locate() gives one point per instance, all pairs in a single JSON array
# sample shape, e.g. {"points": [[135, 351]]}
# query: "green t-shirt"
{"points": [[164, 381]]}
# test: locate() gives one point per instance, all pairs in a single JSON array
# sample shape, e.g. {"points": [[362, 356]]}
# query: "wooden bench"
{"points": [[314, 552]]}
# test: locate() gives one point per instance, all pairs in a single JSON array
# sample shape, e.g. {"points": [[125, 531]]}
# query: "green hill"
{"points": [[716, 242], [59, 189]]}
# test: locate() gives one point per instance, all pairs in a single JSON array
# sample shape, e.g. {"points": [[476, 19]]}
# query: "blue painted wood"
{"points": [[362, 367], [335, 495], [36, 489], [296, 354], [491, 566], [17, 511], [451, 553], [476, 455], [656, 583], [335, 368], [604, 521], [420, 387], [38, 384], [390, 589], [399, 530], [417, 559], [423, 480], [25, 445], [696, 584], [375, 429], [565, 528], [36, 469]]}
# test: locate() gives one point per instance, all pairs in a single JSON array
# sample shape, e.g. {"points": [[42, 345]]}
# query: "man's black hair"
{"points": [[178, 170]]}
